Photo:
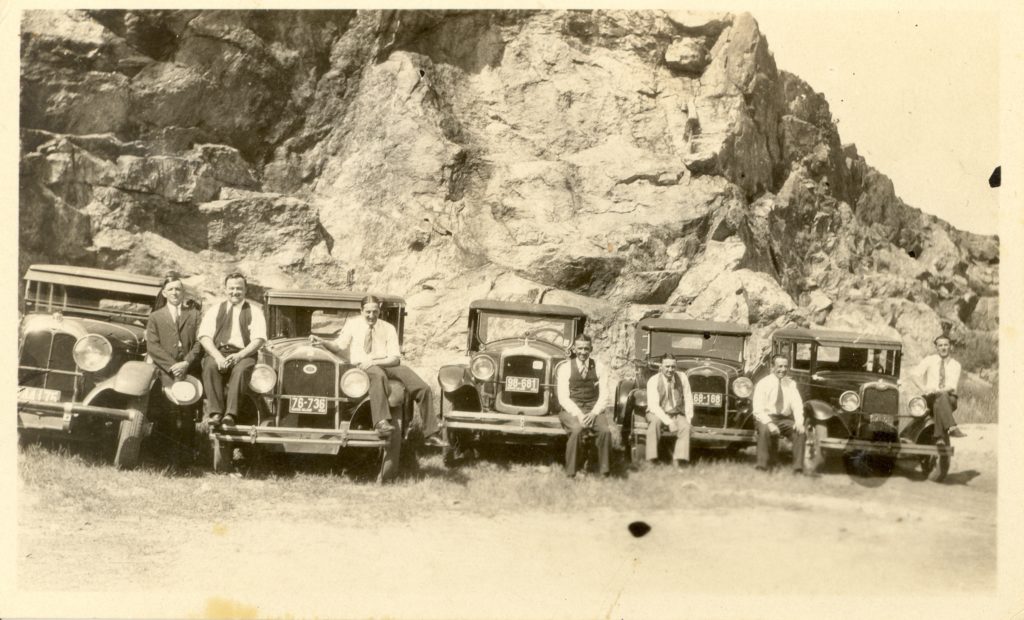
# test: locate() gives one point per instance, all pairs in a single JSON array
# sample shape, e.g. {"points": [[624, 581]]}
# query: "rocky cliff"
{"points": [[630, 163]]}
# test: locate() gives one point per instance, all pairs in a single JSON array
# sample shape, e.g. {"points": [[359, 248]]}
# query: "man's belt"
{"points": [[230, 349]]}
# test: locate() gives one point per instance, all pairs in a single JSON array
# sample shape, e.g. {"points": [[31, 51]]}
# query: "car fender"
{"points": [[453, 377], [623, 402], [822, 412], [133, 378], [918, 428]]}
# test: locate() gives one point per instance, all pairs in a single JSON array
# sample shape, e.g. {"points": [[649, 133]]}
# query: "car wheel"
{"points": [[815, 458], [449, 454], [935, 468], [129, 440], [222, 455]]}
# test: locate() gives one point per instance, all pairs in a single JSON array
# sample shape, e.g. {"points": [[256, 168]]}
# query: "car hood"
{"points": [[292, 348], [851, 380], [126, 336], [525, 346]]}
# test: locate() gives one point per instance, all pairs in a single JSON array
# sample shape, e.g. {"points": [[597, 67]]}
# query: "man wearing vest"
{"points": [[669, 401], [231, 332], [372, 345], [938, 375], [583, 394], [778, 410]]}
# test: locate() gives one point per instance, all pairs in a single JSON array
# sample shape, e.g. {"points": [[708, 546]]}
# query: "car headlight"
{"points": [[849, 401], [918, 407], [742, 387], [482, 368], [355, 383], [263, 379], [92, 353]]}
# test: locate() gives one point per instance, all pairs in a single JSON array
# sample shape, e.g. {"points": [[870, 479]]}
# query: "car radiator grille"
{"points": [[522, 366], [295, 380], [704, 415], [51, 351], [881, 401]]}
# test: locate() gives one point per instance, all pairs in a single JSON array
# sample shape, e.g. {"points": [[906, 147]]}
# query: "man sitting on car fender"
{"points": [[372, 345], [669, 400], [939, 377], [582, 392], [778, 410]]}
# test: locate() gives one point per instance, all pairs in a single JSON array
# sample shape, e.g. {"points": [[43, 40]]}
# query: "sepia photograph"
{"points": [[333, 312]]}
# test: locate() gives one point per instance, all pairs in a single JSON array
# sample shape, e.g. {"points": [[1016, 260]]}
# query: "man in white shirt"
{"points": [[778, 410], [669, 402], [372, 345], [938, 376], [582, 391], [232, 332]]}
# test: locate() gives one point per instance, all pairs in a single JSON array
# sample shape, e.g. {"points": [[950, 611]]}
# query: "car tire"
{"points": [[392, 454], [935, 468], [815, 458], [129, 441], [449, 454], [222, 455]]}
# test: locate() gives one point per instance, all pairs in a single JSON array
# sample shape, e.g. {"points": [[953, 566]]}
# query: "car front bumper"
{"points": [[298, 440], [892, 449], [41, 415], [513, 424]]}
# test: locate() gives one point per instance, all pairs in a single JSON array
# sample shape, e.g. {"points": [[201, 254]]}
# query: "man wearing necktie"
{"points": [[172, 345], [778, 410], [938, 375], [231, 332], [669, 402], [583, 394], [372, 345]]}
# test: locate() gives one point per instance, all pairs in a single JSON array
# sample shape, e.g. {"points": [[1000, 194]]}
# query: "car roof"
{"points": [[518, 307], [691, 325], [835, 337], [91, 277], [328, 298]]}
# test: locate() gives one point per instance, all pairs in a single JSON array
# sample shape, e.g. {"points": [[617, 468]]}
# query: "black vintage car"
{"points": [[505, 392], [712, 354], [304, 399], [81, 349], [849, 383]]}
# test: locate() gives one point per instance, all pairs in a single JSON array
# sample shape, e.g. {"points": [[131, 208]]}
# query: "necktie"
{"points": [[368, 341], [942, 373], [780, 400], [583, 371]]}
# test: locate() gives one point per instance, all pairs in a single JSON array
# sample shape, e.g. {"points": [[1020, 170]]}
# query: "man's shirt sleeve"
{"points": [[392, 348], [760, 403], [654, 399], [208, 324], [687, 396], [258, 324], [562, 389], [796, 402]]}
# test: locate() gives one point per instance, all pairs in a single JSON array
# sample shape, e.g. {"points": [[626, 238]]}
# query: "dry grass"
{"points": [[978, 350], [978, 403]]}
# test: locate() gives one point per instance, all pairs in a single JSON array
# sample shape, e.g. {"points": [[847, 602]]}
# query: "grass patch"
{"points": [[978, 350], [978, 403]]}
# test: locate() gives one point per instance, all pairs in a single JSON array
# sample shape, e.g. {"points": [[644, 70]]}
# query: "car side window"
{"points": [[802, 356]]}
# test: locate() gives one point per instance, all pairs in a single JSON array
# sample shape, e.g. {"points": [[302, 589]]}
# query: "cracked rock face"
{"points": [[631, 163]]}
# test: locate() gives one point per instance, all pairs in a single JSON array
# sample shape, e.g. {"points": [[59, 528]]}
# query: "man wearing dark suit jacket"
{"points": [[172, 345]]}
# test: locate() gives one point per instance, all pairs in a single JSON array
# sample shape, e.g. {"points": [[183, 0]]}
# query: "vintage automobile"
{"points": [[303, 399], [852, 401], [81, 350], [505, 392], [713, 358]]}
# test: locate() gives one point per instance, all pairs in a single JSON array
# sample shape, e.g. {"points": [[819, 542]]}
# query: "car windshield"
{"points": [[719, 346], [857, 359], [495, 326], [46, 297], [294, 322]]}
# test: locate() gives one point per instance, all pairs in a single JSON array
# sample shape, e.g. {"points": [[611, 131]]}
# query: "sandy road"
{"points": [[892, 539]]}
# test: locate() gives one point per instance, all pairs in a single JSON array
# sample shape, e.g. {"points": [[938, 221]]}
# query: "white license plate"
{"points": [[881, 418], [307, 404], [522, 384], [707, 399], [39, 394]]}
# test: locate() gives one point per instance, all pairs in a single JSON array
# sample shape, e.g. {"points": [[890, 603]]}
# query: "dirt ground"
{"points": [[902, 536]]}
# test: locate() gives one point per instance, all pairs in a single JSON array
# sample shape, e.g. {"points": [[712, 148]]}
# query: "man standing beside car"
{"points": [[231, 332], [582, 390], [938, 375], [372, 345], [778, 410], [669, 402]]}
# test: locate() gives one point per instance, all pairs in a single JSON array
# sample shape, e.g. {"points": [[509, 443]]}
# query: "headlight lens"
{"points": [[482, 368], [849, 401], [263, 379], [355, 383], [92, 353], [743, 387], [918, 407]]}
